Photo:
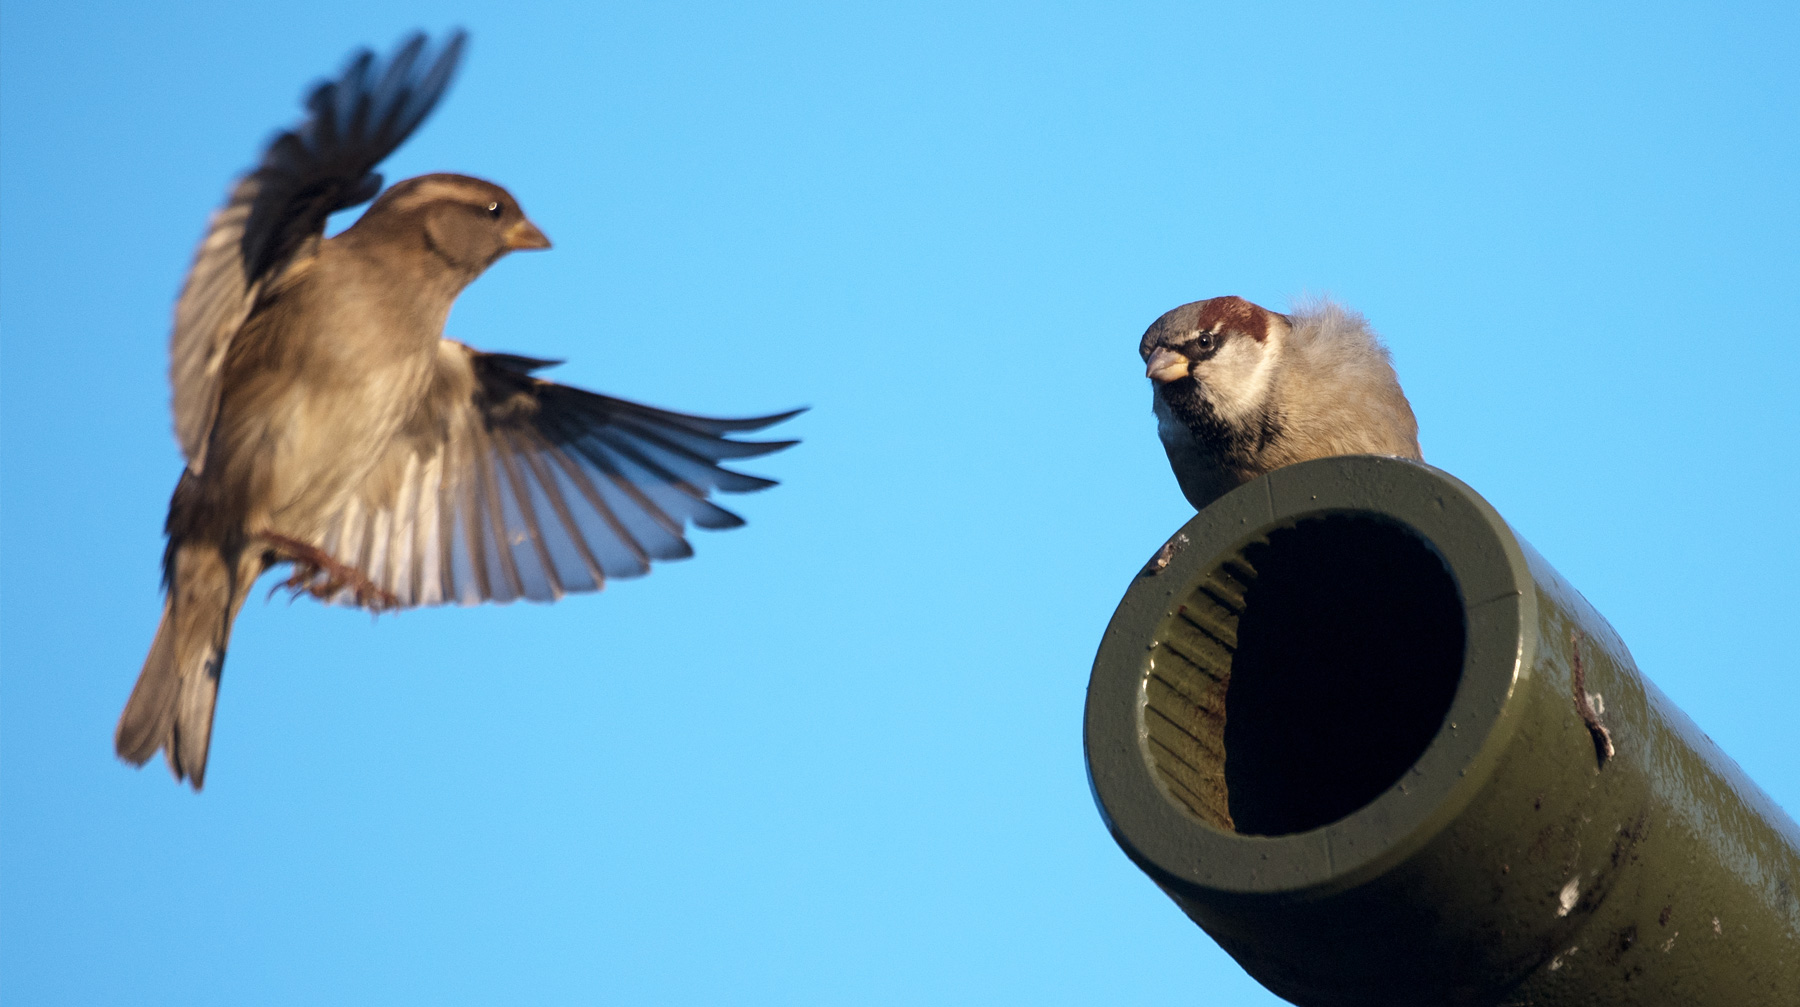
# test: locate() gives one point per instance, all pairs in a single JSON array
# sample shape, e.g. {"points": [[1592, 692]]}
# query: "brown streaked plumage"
{"points": [[1240, 390], [328, 424]]}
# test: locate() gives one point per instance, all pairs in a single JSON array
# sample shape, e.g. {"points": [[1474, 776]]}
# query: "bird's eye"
{"points": [[1205, 342], [494, 210]]}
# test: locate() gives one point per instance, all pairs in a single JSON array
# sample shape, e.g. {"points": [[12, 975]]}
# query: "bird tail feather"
{"points": [[171, 707]]}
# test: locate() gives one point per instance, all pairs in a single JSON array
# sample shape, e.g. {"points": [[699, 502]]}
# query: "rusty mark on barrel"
{"points": [[1589, 706]]}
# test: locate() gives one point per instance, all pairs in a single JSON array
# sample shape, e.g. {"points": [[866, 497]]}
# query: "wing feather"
{"points": [[545, 481], [511, 487]]}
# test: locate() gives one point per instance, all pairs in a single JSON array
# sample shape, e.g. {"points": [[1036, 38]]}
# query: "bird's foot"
{"points": [[320, 575]]}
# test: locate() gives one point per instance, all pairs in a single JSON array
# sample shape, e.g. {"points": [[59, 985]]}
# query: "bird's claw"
{"points": [[324, 578], [324, 585]]}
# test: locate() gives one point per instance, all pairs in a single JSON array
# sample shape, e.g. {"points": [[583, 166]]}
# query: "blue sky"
{"points": [[836, 757]]}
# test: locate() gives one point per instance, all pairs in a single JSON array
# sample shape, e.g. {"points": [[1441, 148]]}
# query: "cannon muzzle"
{"points": [[1373, 744]]}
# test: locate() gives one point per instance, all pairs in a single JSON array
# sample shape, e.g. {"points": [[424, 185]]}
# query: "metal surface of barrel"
{"points": [[1372, 743]]}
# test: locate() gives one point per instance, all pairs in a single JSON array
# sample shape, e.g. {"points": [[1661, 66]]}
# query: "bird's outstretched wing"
{"points": [[277, 213], [507, 486]]}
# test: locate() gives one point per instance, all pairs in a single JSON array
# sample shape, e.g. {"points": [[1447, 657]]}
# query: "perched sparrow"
{"points": [[328, 423], [1241, 390]]}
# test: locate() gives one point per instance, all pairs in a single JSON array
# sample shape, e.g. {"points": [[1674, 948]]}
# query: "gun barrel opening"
{"points": [[1346, 727], [1304, 675]]}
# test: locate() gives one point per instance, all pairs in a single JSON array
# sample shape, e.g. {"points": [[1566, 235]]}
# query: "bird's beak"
{"points": [[1165, 365], [524, 236]]}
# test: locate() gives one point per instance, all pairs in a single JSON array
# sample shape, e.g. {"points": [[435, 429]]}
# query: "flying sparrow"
{"points": [[1240, 390], [328, 424]]}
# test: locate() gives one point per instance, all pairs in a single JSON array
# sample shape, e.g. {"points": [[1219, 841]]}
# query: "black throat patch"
{"points": [[1236, 446]]}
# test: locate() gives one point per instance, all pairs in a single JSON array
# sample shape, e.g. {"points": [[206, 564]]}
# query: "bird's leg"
{"points": [[310, 562]]}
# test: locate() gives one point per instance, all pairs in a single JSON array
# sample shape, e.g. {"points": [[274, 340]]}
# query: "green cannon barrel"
{"points": [[1369, 741]]}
